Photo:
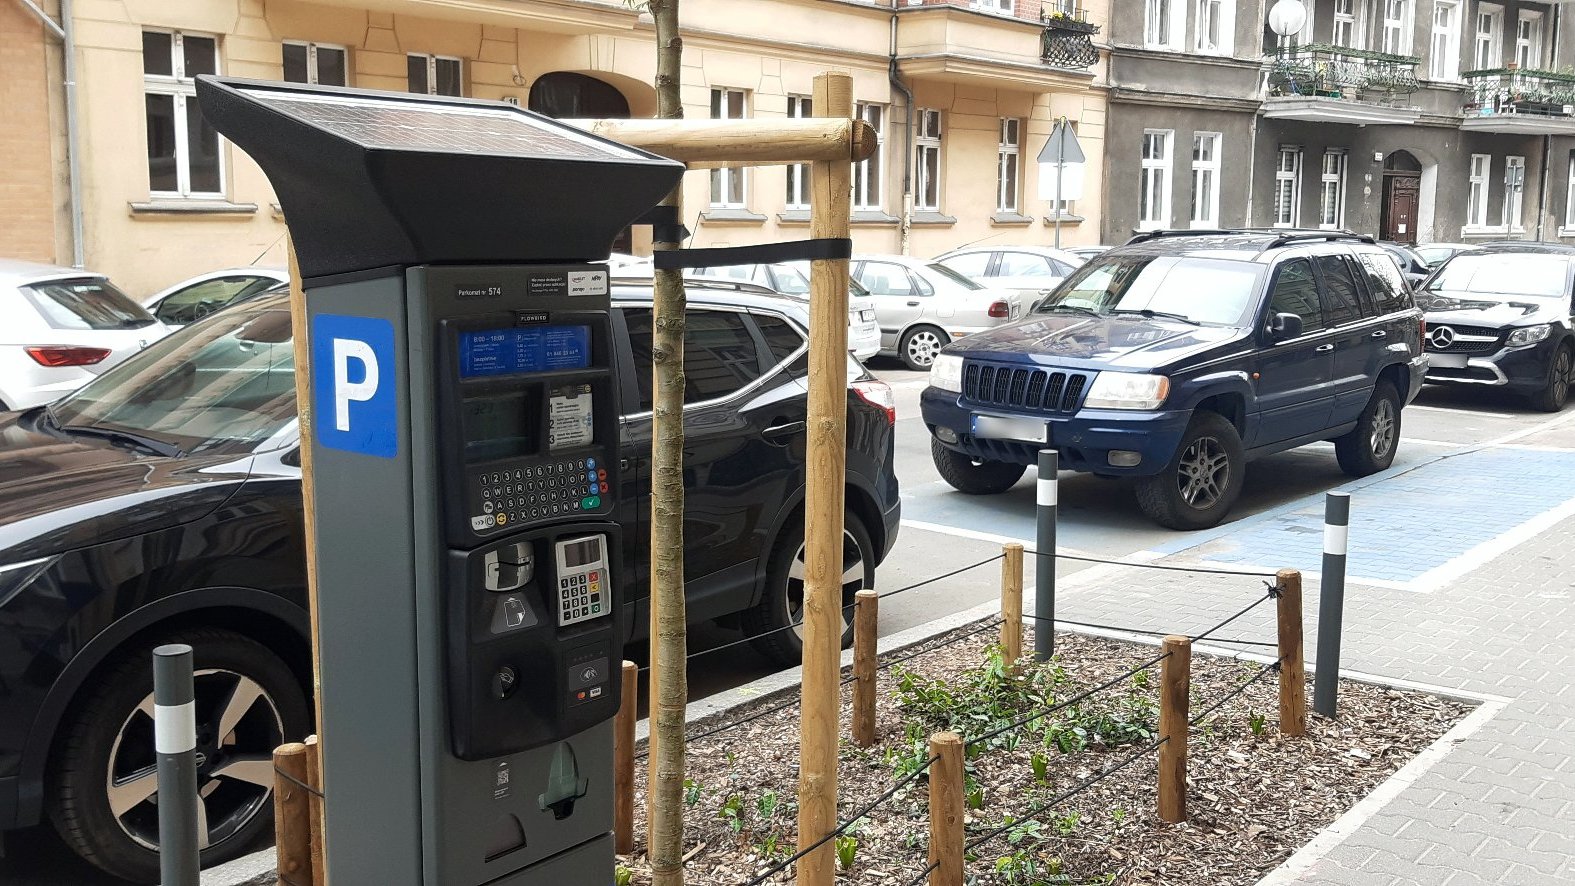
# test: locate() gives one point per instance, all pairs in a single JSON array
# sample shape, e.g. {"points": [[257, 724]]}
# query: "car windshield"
{"points": [[1517, 274], [222, 385], [789, 279], [1204, 290], [86, 304], [802, 268], [941, 270]]}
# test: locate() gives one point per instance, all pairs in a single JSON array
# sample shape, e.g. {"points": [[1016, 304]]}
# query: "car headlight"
{"points": [[15, 577], [946, 373], [1530, 335], [1127, 390]]}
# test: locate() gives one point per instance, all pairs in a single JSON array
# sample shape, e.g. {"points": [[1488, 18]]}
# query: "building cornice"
{"points": [[1012, 75], [1128, 96]]}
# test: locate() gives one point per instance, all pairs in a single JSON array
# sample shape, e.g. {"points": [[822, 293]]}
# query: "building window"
{"points": [[1331, 190], [1154, 180], [1490, 29], [1161, 30], [927, 144], [798, 106], [1346, 33], [994, 5], [183, 150], [1514, 191], [1008, 165], [1477, 197], [1216, 24], [1528, 39], [1445, 62], [1569, 195], [1288, 189], [867, 174], [433, 74], [1205, 179], [727, 185], [1397, 27], [314, 63]]}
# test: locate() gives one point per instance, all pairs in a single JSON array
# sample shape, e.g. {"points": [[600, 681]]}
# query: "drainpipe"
{"points": [[906, 224], [65, 33], [1542, 182]]}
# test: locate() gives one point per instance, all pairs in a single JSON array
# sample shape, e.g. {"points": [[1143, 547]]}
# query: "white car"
{"points": [[61, 327], [191, 300], [922, 305], [1034, 271]]}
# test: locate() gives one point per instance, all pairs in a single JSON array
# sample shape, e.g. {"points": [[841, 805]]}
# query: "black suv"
{"points": [[1179, 357], [1501, 316], [162, 503]]}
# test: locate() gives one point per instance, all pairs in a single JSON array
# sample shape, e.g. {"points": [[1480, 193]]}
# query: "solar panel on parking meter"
{"points": [[464, 415]]}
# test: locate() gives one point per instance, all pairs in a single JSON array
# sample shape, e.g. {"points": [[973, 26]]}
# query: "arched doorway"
{"points": [[565, 94], [1399, 215]]}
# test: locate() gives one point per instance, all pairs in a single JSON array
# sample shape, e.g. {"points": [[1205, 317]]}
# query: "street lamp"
{"points": [[1287, 18]]}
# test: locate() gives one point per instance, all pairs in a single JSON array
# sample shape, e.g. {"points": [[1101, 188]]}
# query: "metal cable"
{"points": [[1069, 702], [925, 873], [937, 578], [1171, 567], [1220, 702], [1240, 641], [1251, 606]]}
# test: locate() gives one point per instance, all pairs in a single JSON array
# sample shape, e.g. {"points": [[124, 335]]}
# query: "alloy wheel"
{"points": [[1203, 473], [1383, 437], [1563, 371], [923, 346], [852, 582]]}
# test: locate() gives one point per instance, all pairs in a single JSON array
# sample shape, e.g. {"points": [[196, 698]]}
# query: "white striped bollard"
{"points": [[1044, 558], [175, 745], [1331, 600]]}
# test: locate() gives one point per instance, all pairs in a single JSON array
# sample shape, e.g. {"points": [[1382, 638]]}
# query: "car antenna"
{"points": [[978, 241], [265, 251]]}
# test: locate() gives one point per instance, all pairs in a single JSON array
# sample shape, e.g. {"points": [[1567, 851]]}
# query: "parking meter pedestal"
{"points": [[464, 419]]}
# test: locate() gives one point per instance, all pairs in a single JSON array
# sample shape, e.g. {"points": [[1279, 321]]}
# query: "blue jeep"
{"points": [[1181, 356]]}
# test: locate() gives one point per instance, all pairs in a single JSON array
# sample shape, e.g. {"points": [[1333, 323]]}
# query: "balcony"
{"points": [[1068, 37], [1018, 45], [1510, 100], [1333, 84]]}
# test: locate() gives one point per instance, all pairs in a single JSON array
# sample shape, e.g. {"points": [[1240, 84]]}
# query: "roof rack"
{"points": [[1286, 239], [1146, 236]]}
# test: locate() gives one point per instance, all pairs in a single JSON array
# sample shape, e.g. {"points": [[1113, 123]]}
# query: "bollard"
{"points": [[314, 777], [1293, 674], [947, 796], [866, 615], [1011, 603], [623, 760], [175, 743], [1175, 695], [292, 814], [1331, 601], [1044, 560]]}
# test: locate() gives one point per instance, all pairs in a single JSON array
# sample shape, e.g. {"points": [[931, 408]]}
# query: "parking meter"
{"points": [[464, 430]]}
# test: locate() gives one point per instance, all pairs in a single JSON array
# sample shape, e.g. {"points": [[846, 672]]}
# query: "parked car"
{"points": [[162, 503], [1436, 253], [1411, 264], [1178, 358], [1086, 252], [923, 305], [62, 327], [1500, 316], [1032, 271], [203, 294]]}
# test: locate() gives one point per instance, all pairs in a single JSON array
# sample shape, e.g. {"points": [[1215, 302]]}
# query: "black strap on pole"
{"points": [[666, 226], [762, 254]]}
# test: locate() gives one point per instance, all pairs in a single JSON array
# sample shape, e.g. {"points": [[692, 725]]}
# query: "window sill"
{"points": [[1010, 219], [192, 207], [931, 218], [732, 217], [1066, 219], [1492, 232], [1566, 232], [859, 217]]}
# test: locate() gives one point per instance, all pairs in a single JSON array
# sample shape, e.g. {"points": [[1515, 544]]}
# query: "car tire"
{"points": [[772, 624], [1370, 447], [919, 345], [1561, 373], [974, 476], [1203, 479], [109, 734]]}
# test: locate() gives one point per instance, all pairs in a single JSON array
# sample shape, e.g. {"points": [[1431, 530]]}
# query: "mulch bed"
{"points": [[1254, 797]]}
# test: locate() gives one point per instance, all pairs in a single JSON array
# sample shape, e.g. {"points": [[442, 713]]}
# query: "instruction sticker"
{"points": [[569, 417]]}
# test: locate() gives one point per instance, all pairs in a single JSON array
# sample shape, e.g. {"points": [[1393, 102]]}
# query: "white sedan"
{"points": [[191, 300], [923, 305]]}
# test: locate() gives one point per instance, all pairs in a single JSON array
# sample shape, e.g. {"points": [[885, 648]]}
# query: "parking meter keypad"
{"points": [[562, 488]]}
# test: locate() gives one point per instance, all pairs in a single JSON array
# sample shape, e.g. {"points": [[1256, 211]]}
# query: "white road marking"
{"points": [[1533, 430], [1459, 566], [1462, 412]]}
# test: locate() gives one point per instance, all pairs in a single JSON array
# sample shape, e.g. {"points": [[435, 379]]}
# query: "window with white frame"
{"points": [[1444, 63], [314, 63], [1008, 164], [1528, 39], [1569, 195], [994, 5], [184, 159], [867, 174], [1162, 24], [1154, 179], [798, 174], [434, 74], [1288, 188], [1486, 45], [927, 145], [1206, 179], [727, 185], [1397, 27], [1514, 191], [1215, 26], [1331, 190], [1477, 192], [1347, 32]]}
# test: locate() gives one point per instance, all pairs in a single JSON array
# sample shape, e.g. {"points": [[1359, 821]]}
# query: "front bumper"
{"points": [[1522, 368]]}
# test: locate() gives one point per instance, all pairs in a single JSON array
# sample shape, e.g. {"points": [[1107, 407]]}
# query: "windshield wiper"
{"points": [[1150, 313], [147, 444], [1074, 309]]}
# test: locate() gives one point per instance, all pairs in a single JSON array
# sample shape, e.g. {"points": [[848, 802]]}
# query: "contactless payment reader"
{"points": [[463, 430]]}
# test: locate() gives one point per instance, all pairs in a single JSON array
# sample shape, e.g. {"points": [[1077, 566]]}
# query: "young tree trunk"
{"points": [[669, 624]]}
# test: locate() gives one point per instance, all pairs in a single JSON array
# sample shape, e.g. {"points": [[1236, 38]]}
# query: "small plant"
{"points": [[1022, 869], [766, 804], [1119, 816], [1041, 767], [732, 812], [692, 792], [1067, 823], [976, 797], [1027, 829], [771, 846], [847, 851], [1257, 723], [622, 876]]}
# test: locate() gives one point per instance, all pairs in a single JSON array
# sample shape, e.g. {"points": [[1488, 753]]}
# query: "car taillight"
{"points": [[879, 395], [1000, 310], [65, 355]]}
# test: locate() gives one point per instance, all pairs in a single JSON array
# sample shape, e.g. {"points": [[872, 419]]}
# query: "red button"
{"points": [[604, 489], [601, 473], [582, 696], [595, 576]]}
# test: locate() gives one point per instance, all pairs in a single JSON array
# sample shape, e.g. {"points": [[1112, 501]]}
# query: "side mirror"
{"points": [[1285, 326]]}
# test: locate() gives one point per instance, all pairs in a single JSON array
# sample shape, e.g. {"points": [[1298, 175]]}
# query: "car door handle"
{"points": [[913, 304], [786, 429], [1380, 334], [1323, 349]]}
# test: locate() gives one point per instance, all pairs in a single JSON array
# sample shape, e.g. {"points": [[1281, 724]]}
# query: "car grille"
{"points": [[1467, 339], [1023, 388]]}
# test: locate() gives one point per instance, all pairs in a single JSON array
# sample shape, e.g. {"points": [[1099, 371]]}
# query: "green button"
{"points": [[597, 607], [591, 501]]}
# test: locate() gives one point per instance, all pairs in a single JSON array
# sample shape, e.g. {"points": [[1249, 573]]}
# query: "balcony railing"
{"points": [[1505, 91], [1068, 35], [1321, 70]]}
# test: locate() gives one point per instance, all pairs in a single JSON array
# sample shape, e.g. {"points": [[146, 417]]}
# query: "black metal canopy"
{"points": [[370, 179]]}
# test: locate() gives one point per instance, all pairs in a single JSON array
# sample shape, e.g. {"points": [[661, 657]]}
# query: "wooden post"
{"points": [[292, 814], [1175, 695], [1293, 672], [947, 796], [1012, 603], [866, 616], [623, 760], [710, 144], [831, 182], [314, 777]]}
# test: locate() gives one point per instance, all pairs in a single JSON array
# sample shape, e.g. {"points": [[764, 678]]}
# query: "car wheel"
{"points": [[777, 623], [1370, 447], [975, 476], [1203, 479], [1561, 373], [103, 794], [919, 346]]}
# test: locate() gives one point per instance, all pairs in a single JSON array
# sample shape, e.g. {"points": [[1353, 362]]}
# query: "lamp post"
{"points": [[1286, 19]]}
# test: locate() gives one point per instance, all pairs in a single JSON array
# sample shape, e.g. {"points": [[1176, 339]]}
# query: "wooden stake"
{"points": [[1012, 603], [1293, 673], [866, 616], [947, 796], [705, 144], [1175, 695], [292, 814], [314, 777], [831, 183], [623, 760]]}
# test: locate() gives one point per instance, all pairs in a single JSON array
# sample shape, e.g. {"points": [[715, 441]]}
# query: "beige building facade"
{"points": [[164, 198]]}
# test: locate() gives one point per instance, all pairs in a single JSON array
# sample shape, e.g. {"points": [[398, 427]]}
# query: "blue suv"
{"points": [[1181, 356]]}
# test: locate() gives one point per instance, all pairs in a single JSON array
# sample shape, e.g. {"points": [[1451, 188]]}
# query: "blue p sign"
{"points": [[354, 397]]}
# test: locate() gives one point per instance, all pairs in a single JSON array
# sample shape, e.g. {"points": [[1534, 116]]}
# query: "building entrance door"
{"points": [[1402, 198]]}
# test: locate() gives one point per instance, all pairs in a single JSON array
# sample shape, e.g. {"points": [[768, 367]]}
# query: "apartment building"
{"points": [[963, 93], [1410, 120]]}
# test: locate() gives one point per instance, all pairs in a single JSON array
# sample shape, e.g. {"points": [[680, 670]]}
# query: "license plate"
{"points": [[1447, 361], [995, 427]]}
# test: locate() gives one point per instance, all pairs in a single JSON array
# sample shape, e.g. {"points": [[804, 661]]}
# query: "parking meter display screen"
{"points": [[524, 349], [501, 427]]}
